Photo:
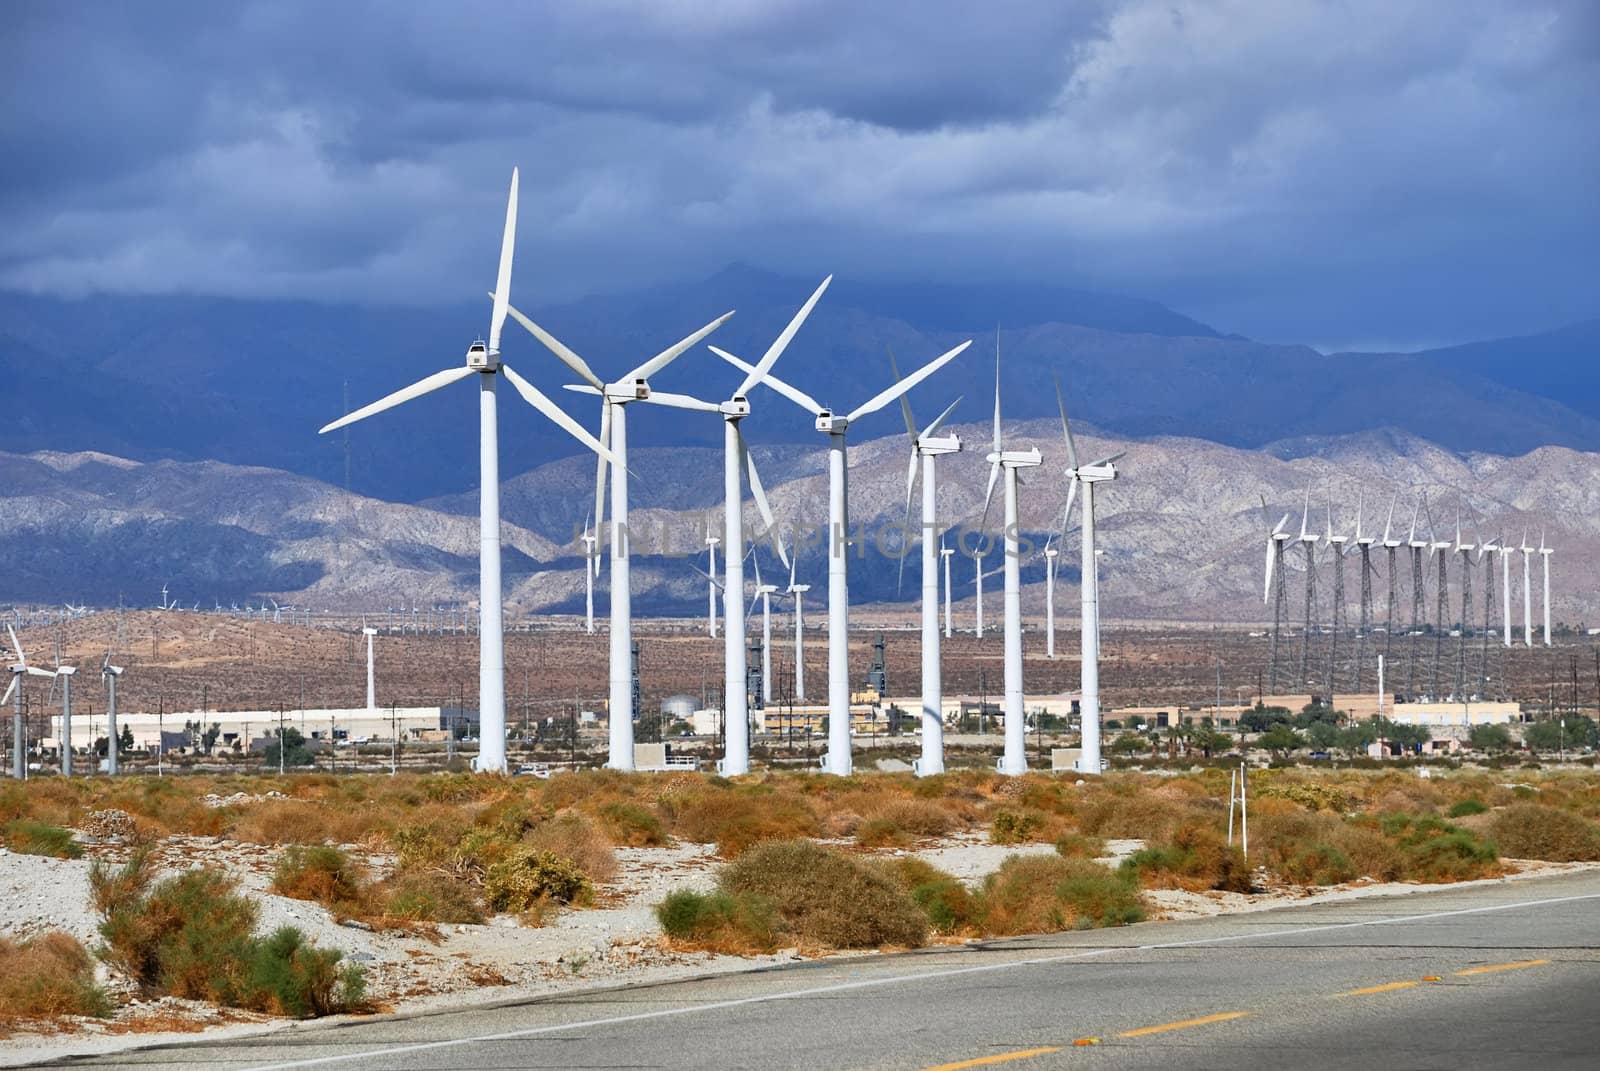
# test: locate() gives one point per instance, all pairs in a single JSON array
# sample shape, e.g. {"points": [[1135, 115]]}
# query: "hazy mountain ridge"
{"points": [[1182, 527]]}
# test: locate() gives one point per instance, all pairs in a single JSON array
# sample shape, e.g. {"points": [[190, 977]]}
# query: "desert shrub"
{"points": [[1466, 807], [574, 837], [321, 873], [1436, 851], [719, 921], [283, 822], [28, 837], [1080, 846], [48, 975], [428, 897], [190, 935], [1195, 858], [528, 876], [1531, 831], [1023, 825], [1045, 894], [949, 905], [1317, 863], [736, 820], [826, 897], [633, 825], [1132, 813], [903, 822], [1312, 795], [287, 975], [1371, 854]]}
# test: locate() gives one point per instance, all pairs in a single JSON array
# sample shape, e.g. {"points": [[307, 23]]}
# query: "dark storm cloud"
{"points": [[1354, 172]]}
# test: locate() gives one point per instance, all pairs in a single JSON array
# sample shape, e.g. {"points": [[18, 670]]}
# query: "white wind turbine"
{"points": [[1089, 586], [837, 760], [711, 584], [926, 447], [1544, 554], [64, 674], [736, 461], [946, 553], [1051, 553], [1007, 462], [633, 387], [799, 592], [484, 361], [109, 674], [591, 565], [1506, 550], [764, 592], [19, 669], [1527, 591], [977, 602]]}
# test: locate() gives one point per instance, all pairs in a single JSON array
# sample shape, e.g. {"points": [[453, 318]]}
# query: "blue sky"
{"points": [[1345, 173]]}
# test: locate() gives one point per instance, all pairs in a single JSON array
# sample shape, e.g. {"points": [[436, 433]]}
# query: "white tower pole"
{"points": [[1545, 554], [1505, 594], [932, 760], [1050, 602], [838, 759], [372, 690], [947, 554], [19, 749], [766, 649], [977, 569], [1089, 705], [590, 563], [621, 681], [113, 763], [1015, 760], [735, 709], [711, 585], [799, 643], [1527, 598], [491, 635], [66, 721]]}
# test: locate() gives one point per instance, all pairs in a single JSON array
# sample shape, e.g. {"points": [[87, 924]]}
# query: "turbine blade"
{"points": [[1072, 494], [502, 285], [795, 395], [905, 403], [555, 413], [4, 699], [1111, 460], [559, 348], [682, 401], [940, 419], [674, 351], [1305, 512], [1266, 592], [1066, 428], [404, 394], [905, 527], [1279, 526], [16, 646], [988, 495], [781, 343], [760, 495], [600, 482], [883, 398]]}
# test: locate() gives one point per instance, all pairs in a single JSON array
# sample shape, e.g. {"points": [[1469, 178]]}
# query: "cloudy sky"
{"points": [[1344, 173]]}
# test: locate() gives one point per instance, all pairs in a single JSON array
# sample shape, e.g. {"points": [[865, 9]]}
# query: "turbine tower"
{"points": [[1364, 629], [764, 593], [1087, 475], [591, 566], [1418, 609], [927, 445], [1527, 592], [109, 674], [1050, 556], [1390, 546], [1336, 544], [711, 586], [837, 760], [1506, 550], [1486, 556], [1439, 547], [1464, 551], [977, 580], [19, 731], [945, 554], [1308, 544], [1005, 463], [484, 360], [614, 399], [799, 592], [1276, 593], [1544, 554], [372, 681]]}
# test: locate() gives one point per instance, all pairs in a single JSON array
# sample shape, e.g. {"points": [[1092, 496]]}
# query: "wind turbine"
{"points": [[1544, 553], [799, 592], [1439, 547], [64, 674], [591, 565], [926, 448], [1051, 553], [1089, 586], [1418, 607], [1364, 544], [1486, 552], [1277, 594], [1004, 465], [838, 760], [484, 361], [1308, 543], [19, 669], [764, 593], [1506, 550], [614, 399], [109, 674], [1464, 551], [711, 587], [1336, 543]]}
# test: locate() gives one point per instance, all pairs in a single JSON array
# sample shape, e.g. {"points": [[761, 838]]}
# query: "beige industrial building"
{"points": [[245, 726]]}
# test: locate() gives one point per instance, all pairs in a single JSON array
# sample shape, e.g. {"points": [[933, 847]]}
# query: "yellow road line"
{"points": [[1505, 966], [1389, 988], [999, 1058], [1164, 1027]]}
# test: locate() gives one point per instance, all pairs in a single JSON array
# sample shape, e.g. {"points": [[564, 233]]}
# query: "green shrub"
{"points": [[1017, 826], [1466, 807], [633, 825], [1099, 896], [1195, 858], [321, 873], [528, 876], [1318, 863], [28, 837], [1080, 846], [719, 921], [826, 897], [1436, 851], [1532, 831], [1046, 893], [287, 975], [950, 907]]}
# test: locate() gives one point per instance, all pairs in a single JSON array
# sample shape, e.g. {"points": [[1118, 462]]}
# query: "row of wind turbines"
{"points": [[611, 449], [1422, 551]]}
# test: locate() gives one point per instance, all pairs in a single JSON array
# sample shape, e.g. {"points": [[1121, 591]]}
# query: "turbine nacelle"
{"points": [[1102, 470], [831, 424], [480, 358], [943, 444], [628, 390], [1016, 459], [737, 406]]}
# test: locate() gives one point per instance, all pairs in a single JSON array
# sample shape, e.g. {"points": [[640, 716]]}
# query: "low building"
{"points": [[246, 726]]}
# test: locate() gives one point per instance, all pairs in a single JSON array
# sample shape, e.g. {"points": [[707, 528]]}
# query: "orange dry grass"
{"points": [[47, 976], [573, 836]]}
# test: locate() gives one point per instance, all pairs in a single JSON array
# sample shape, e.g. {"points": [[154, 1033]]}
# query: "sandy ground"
{"points": [[618, 942]]}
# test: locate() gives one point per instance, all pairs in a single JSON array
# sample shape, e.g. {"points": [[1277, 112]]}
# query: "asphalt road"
{"points": [[1504, 976]]}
